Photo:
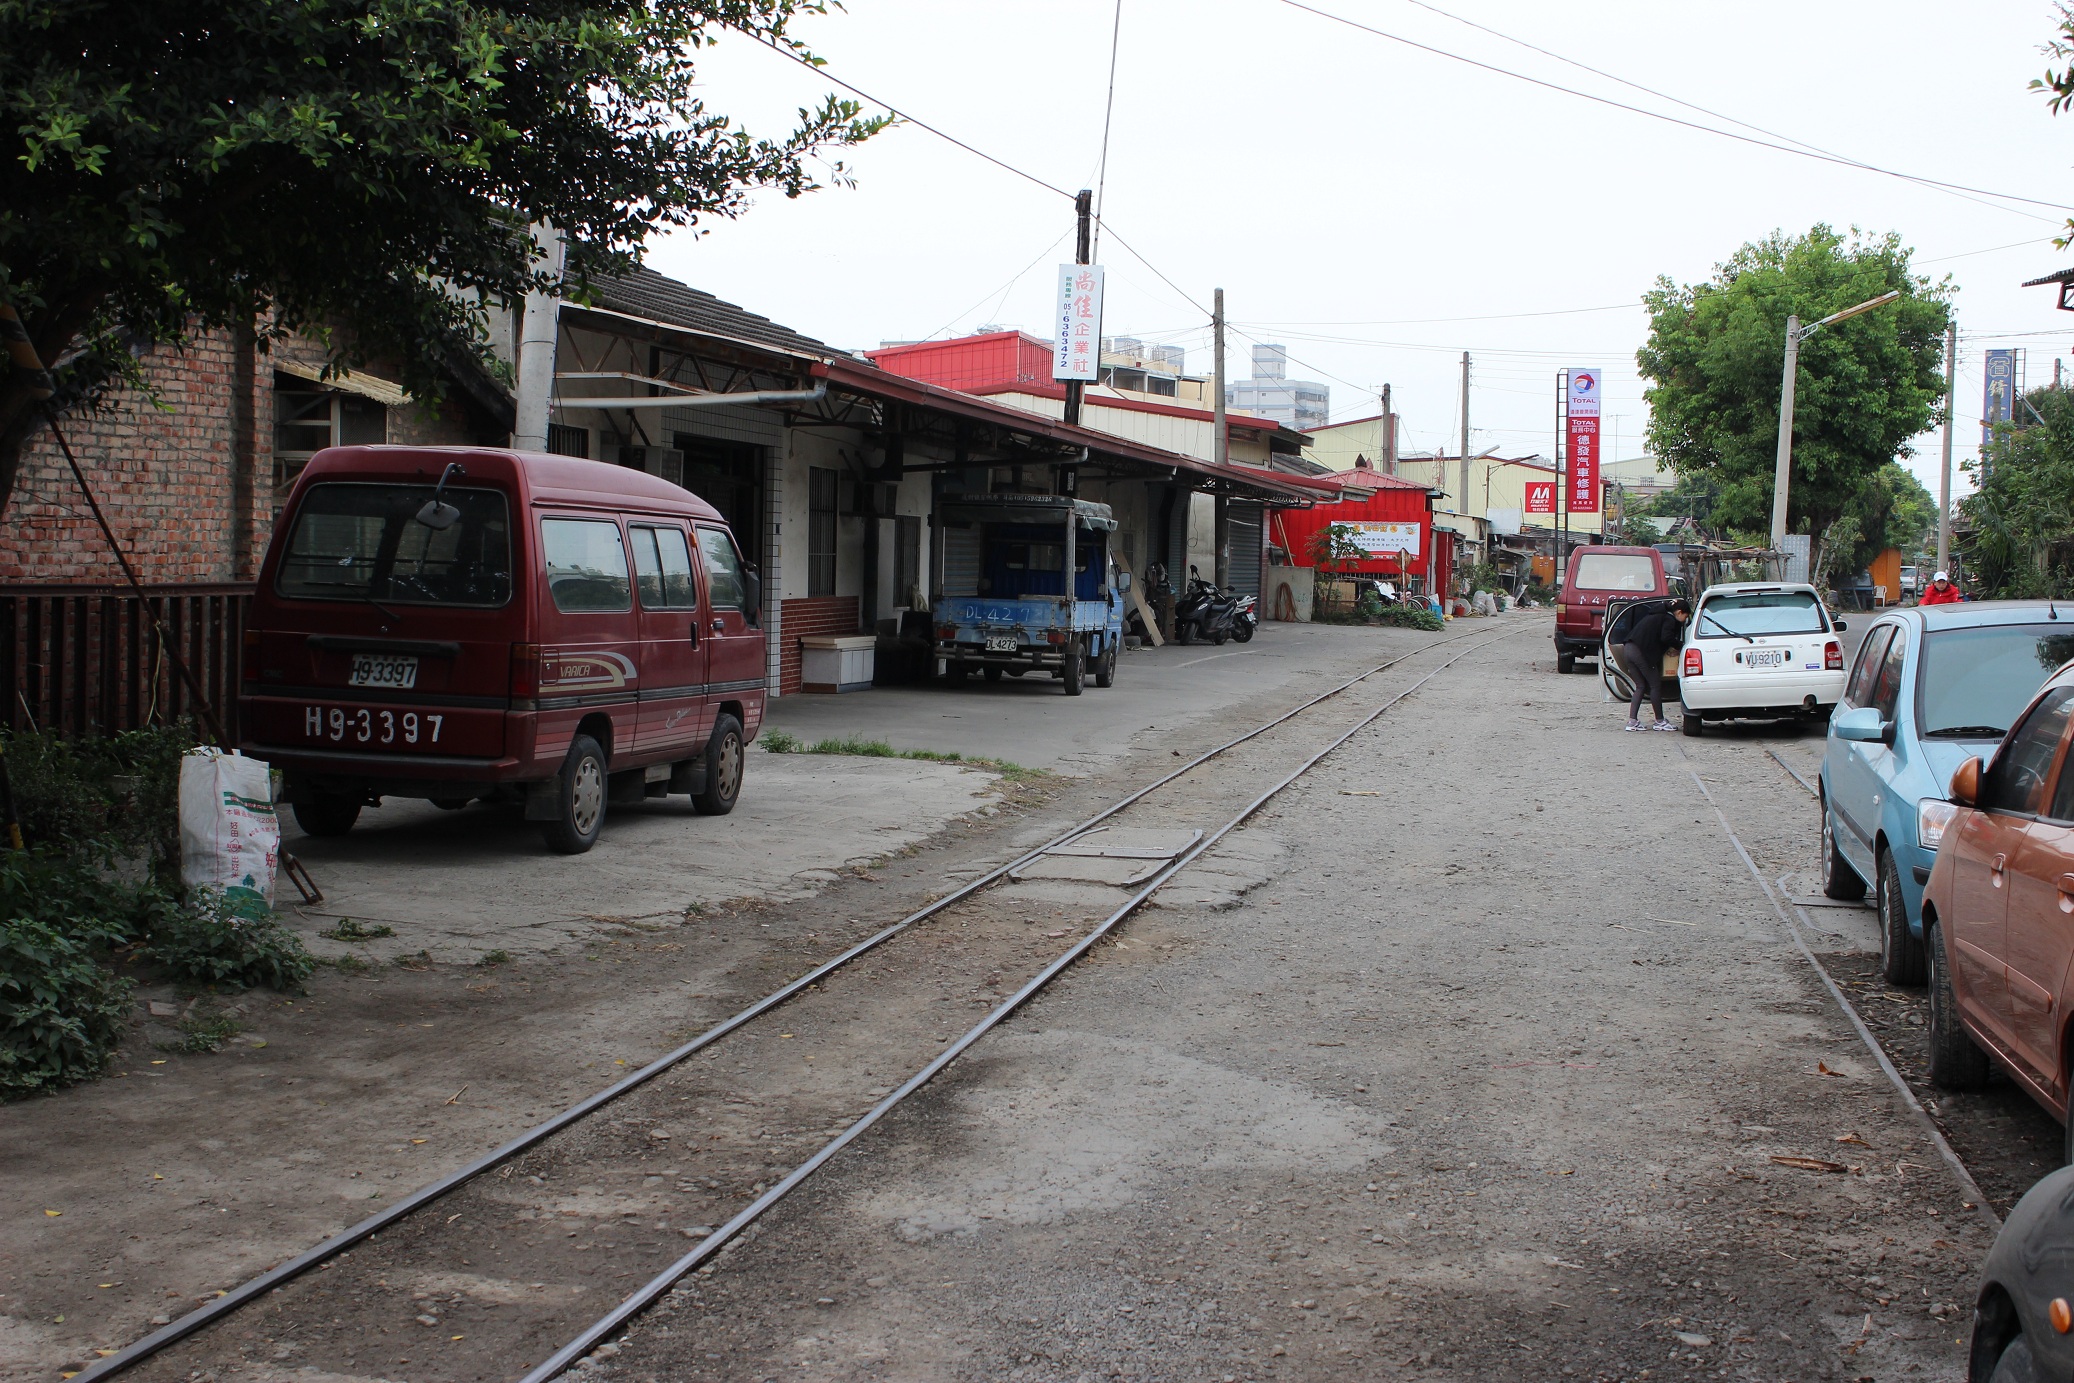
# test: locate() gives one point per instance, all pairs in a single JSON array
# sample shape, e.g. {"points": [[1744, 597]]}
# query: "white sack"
{"points": [[230, 838]]}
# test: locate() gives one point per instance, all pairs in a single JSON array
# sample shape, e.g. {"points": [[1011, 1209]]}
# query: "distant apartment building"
{"points": [[1299, 403]]}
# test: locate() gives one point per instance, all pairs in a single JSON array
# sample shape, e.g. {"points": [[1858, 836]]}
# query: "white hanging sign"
{"points": [[1077, 350]]}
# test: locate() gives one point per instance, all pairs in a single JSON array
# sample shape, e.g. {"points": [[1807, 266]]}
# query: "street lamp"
{"points": [[1795, 334]]}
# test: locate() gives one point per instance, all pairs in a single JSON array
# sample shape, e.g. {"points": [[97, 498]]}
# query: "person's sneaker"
{"points": [[1632, 725], [1663, 725]]}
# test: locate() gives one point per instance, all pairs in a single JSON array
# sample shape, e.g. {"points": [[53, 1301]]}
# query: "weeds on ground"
{"points": [[349, 930], [347, 964], [778, 742], [210, 939], [491, 958], [202, 1033]]}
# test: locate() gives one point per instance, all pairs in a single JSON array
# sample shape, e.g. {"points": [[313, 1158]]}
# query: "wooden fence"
{"points": [[85, 659]]}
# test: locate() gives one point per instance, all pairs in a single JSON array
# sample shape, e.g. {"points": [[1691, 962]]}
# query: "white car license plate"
{"points": [[1000, 643], [1765, 657], [397, 670]]}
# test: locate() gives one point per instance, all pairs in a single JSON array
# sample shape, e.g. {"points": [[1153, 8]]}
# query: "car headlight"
{"points": [[1932, 816]]}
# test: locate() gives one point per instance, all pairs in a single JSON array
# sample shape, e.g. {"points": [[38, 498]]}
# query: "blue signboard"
{"points": [[1998, 400]]}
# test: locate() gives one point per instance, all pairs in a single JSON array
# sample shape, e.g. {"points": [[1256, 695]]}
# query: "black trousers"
{"points": [[1647, 675]]}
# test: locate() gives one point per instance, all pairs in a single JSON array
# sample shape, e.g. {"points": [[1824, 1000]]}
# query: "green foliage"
{"points": [[778, 742], [490, 959], [203, 1031], [366, 163], [1333, 549], [1410, 617], [350, 930], [62, 1010], [1865, 385], [100, 797], [1483, 576], [1891, 510], [212, 940], [2021, 516]]}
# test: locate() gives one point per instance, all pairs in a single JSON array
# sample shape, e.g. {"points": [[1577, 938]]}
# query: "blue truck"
{"points": [[1029, 585]]}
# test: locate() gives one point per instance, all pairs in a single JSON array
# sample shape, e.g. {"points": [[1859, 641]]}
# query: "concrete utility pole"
{"points": [[1219, 450], [539, 325], [1083, 209], [1389, 446], [1783, 467], [1464, 492], [1944, 475]]}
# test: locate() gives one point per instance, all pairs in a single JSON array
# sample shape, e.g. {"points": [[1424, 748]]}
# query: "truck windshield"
{"points": [[1975, 681], [1615, 571], [1759, 613], [361, 541]]}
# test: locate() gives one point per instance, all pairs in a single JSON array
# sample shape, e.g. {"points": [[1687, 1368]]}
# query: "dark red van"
{"points": [[1597, 575], [458, 623]]}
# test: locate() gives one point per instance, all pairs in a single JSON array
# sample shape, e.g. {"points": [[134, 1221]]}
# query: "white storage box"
{"points": [[837, 662]]}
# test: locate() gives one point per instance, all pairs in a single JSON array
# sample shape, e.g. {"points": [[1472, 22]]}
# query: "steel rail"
{"points": [[203, 1316], [1968, 1187], [1813, 791], [609, 1324]]}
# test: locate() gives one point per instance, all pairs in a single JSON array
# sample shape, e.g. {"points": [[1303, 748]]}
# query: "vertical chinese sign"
{"points": [[1998, 397], [1541, 496], [1077, 352], [1583, 475]]}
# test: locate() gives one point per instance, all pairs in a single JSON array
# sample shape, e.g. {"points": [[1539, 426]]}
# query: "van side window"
{"points": [[724, 585], [662, 568], [586, 566], [1859, 692]]}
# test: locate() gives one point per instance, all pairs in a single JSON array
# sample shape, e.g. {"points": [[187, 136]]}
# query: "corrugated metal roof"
{"points": [[658, 298], [2063, 276]]}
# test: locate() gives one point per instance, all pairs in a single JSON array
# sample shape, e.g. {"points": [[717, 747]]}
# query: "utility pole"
{"points": [[1084, 210], [1389, 434], [1464, 492], [1218, 445], [1944, 477], [1784, 459]]}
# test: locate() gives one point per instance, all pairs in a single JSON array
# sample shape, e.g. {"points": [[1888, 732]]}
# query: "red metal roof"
{"points": [[1336, 481]]}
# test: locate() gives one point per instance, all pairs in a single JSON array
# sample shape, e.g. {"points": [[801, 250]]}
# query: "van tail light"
{"points": [[1693, 667], [1833, 656], [1561, 610], [525, 670]]}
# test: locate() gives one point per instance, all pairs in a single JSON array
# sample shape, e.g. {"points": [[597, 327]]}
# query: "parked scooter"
{"points": [[1245, 618], [1205, 612]]}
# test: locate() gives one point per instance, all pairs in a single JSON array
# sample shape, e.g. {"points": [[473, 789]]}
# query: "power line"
{"points": [[1003, 290], [1108, 113], [1659, 115]]}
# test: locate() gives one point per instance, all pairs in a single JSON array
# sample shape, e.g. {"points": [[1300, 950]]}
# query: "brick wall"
{"points": [[184, 482], [830, 614]]}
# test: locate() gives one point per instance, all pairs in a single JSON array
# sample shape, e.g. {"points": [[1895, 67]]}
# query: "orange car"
{"points": [[1998, 912]]}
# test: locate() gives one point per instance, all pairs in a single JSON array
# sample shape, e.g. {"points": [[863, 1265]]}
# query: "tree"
{"points": [[1891, 510], [2020, 520], [365, 165], [1865, 386]]}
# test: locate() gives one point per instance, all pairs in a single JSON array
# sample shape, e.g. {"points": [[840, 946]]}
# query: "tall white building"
{"points": [[1299, 403]]}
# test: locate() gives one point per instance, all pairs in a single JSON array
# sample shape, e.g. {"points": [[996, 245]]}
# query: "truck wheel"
{"points": [[724, 760], [1839, 880], [1566, 663], [1955, 1062], [331, 815], [579, 800], [1105, 668], [1075, 670], [1901, 953]]}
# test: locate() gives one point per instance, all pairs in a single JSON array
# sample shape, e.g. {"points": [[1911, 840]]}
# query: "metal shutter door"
{"points": [[1242, 521]]}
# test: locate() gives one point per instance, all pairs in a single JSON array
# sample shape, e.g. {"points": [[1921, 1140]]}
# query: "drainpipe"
{"points": [[538, 326]]}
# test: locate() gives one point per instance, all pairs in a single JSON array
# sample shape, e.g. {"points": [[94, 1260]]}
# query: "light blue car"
{"points": [[1932, 687]]}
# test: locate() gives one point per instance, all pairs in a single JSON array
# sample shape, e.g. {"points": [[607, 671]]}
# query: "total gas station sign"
{"points": [[1581, 475]]}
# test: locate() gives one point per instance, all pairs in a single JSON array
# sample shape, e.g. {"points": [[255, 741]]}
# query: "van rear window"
{"points": [[1615, 571], [361, 541]]}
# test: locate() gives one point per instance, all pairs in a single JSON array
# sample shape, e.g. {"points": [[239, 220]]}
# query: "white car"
{"points": [[1764, 650]]}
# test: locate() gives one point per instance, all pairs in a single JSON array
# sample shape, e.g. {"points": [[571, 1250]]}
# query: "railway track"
{"points": [[547, 1246]]}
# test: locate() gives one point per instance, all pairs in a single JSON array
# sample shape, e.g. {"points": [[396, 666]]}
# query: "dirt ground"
{"points": [[1472, 1056]]}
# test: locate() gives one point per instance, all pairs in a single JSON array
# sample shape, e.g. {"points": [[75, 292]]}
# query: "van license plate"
{"points": [[1000, 643], [1765, 657], [384, 670]]}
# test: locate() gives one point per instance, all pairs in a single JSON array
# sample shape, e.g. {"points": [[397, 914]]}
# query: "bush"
{"points": [[1410, 617], [211, 940], [62, 1011], [103, 797]]}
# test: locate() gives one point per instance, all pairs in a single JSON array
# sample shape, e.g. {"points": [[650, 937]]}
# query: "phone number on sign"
{"points": [[370, 727]]}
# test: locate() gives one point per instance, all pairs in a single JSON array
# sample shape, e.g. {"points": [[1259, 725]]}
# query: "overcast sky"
{"points": [[1379, 209]]}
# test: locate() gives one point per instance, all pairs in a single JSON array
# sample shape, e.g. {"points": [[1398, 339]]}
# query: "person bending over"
{"points": [[1644, 655]]}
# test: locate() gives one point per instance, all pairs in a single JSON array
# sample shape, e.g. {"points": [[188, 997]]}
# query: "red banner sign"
{"points": [[1581, 478], [1541, 496]]}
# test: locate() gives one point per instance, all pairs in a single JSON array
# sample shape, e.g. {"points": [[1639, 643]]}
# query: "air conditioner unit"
{"points": [[664, 462]]}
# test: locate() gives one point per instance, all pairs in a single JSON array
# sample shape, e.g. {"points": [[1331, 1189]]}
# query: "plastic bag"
{"points": [[230, 839]]}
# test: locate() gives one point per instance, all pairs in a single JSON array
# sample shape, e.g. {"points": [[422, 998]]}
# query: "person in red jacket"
{"points": [[1941, 592]]}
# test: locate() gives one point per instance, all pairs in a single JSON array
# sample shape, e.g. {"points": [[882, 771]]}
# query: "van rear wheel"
{"points": [[725, 755], [330, 815], [579, 800]]}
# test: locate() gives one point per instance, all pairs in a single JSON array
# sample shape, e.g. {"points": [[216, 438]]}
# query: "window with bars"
{"points": [[307, 420], [822, 491], [564, 440]]}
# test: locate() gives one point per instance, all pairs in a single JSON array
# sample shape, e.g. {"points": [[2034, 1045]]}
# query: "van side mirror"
{"points": [[752, 588], [1965, 789], [1861, 724]]}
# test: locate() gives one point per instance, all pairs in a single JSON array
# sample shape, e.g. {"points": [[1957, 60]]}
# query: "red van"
{"points": [[458, 623], [1597, 575]]}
